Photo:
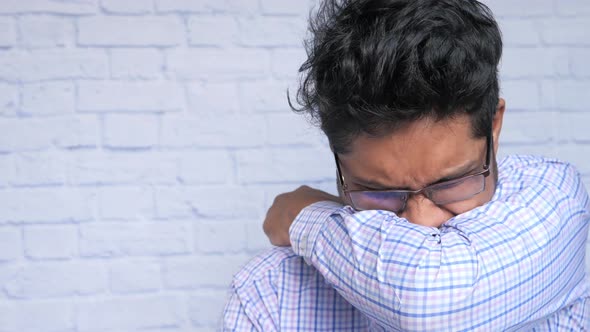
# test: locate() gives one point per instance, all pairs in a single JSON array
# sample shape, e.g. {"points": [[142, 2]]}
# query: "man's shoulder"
{"points": [[278, 290], [267, 264], [529, 179], [540, 169], [524, 161]]}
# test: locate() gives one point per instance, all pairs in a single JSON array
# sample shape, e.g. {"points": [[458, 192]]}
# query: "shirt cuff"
{"points": [[307, 226]]}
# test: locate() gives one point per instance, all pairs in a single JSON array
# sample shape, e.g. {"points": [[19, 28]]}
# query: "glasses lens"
{"points": [[457, 190], [378, 200]]}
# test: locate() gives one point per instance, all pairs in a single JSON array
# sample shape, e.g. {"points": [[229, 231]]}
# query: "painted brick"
{"points": [[264, 96], [127, 7], [213, 236], [136, 239], [134, 276], [130, 31], [572, 31], [24, 134], [573, 7], [8, 272], [9, 99], [285, 63], [10, 244], [124, 203], [115, 96], [549, 97], [521, 95], [527, 127], [201, 271], [216, 64], [39, 168], [51, 242], [256, 240], [205, 167], [24, 316], [556, 60], [290, 128], [7, 169], [53, 64], [272, 31], [46, 31], [118, 128], [48, 6], [96, 167], [213, 98], [136, 63], [519, 32], [45, 205], [240, 7], [74, 132], [36, 134], [579, 62], [577, 154], [274, 7], [127, 314], [188, 6], [48, 98], [523, 8], [244, 7], [311, 165], [174, 202], [210, 314], [57, 279], [540, 63], [7, 32], [573, 126], [223, 131], [564, 94], [212, 201], [212, 30]]}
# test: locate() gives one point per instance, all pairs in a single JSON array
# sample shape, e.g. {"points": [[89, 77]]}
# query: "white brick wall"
{"points": [[141, 142]]}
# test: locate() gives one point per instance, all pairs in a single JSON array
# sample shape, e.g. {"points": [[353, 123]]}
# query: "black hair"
{"points": [[374, 65]]}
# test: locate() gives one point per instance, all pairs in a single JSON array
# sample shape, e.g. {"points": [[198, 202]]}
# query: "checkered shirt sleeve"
{"points": [[504, 266]]}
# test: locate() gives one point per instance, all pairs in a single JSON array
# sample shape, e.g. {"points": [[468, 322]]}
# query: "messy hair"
{"points": [[375, 65]]}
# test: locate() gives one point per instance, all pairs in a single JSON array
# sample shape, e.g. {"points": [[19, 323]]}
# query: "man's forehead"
{"points": [[414, 134], [418, 154]]}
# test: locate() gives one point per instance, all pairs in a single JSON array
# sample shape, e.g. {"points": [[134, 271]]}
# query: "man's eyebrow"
{"points": [[458, 172], [370, 184]]}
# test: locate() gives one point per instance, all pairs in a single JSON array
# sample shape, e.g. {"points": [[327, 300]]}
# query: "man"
{"points": [[429, 232]]}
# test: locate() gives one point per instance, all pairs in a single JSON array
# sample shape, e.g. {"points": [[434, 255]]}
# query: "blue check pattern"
{"points": [[516, 263]]}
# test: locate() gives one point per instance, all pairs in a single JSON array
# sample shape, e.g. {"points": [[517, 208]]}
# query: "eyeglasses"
{"points": [[441, 193]]}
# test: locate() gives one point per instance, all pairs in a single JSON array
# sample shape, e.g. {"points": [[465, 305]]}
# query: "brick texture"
{"points": [[141, 142]]}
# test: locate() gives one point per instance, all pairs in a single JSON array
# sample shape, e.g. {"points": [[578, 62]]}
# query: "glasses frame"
{"points": [[427, 191]]}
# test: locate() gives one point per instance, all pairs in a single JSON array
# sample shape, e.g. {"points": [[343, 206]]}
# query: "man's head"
{"points": [[406, 92]]}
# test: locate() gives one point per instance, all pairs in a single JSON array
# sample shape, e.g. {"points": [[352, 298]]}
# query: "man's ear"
{"points": [[497, 123]]}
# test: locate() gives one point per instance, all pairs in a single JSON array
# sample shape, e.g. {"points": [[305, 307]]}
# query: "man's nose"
{"points": [[422, 211]]}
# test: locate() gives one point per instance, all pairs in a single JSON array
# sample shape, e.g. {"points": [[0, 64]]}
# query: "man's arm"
{"points": [[512, 261], [285, 209], [235, 317]]}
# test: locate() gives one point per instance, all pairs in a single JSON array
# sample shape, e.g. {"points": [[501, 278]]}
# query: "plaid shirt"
{"points": [[515, 263]]}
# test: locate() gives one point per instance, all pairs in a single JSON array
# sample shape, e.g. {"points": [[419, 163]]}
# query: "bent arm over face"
{"points": [[517, 261]]}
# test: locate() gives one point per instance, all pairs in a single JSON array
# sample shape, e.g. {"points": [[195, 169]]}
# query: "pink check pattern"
{"points": [[516, 263]]}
